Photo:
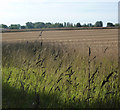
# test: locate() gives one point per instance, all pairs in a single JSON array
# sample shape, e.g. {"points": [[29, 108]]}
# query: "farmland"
{"points": [[65, 35], [66, 68]]}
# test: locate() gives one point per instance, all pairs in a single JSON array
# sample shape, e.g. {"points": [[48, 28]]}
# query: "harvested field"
{"points": [[97, 39], [98, 36]]}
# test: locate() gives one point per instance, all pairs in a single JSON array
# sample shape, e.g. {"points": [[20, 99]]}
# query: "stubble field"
{"points": [[92, 36]]}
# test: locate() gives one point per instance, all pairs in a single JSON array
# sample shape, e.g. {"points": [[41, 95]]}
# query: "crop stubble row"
{"points": [[97, 39]]}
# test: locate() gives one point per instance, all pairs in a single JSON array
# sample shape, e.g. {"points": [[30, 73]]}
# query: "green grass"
{"points": [[54, 76]]}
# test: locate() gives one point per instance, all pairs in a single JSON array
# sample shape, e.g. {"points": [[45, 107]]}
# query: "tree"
{"points": [[117, 25], [78, 25], [15, 26], [48, 25], [99, 24], [65, 24], [39, 25], [84, 25], [29, 25], [89, 25], [4, 26], [68, 24], [60, 25], [57, 25], [71, 24], [110, 24], [23, 27]]}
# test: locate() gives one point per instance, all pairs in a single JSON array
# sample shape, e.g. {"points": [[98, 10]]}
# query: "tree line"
{"points": [[30, 25]]}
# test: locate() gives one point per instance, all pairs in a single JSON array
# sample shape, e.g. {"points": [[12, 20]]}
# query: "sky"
{"points": [[83, 11]]}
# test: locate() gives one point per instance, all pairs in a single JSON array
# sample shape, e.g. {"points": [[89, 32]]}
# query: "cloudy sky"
{"points": [[83, 11]]}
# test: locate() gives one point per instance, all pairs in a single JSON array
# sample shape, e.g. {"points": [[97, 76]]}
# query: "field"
{"points": [[95, 35], [61, 69]]}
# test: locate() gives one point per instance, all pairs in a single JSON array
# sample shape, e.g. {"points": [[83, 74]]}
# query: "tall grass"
{"points": [[54, 75]]}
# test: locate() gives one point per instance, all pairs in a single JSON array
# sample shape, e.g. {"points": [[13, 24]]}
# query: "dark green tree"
{"points": [[29, 25], [99, 24], [4, 26], [15, 26], [78, 25], [110, 24], [89, 25], [58, 25], [39, 25], [23, 27], [48, 25]]}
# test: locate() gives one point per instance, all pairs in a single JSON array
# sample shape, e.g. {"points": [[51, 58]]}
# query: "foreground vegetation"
{"points": [[54, 75]]}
